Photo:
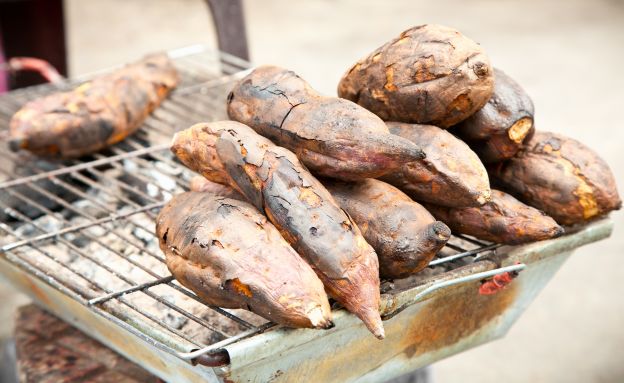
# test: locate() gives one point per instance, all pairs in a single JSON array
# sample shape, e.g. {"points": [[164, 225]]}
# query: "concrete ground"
{"points": [[566, 54]]}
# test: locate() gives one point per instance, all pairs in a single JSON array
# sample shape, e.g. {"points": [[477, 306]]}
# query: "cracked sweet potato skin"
{"points": [[307, 216], [201, 184], [430, 74], [404, 234], [333, 137], [97, 114], [451, 174], [560, 176], [231, 256], [196, 149], [502, 220], [498, 131]]}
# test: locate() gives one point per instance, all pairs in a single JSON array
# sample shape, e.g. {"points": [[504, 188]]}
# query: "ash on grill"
{"points": [[113, 253]]}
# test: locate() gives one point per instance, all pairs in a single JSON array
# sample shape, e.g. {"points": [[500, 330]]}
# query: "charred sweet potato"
{"points": [[560, 176], [201, 184], [404, 235], [502, 220], [96, 114], [451, 174], [272, 178], [430, 74], [333, 137], [498, 130], [196, 149], [231, 256]]}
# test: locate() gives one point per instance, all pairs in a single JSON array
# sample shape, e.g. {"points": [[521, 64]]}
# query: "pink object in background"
{"points": [[44, 68]]}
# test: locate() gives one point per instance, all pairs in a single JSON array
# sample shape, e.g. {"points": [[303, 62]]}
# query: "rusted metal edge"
{"points": [[508, 255], [537, 251], [387, 314]]}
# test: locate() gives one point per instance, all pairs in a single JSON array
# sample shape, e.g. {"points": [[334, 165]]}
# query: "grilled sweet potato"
{"points": [[272, 178], [231, 256], [96, 114], [498, 130], [451, 174], [430, 74], [404, 235], [502, 220], [333, 137], [560, 176], [201, 184]]}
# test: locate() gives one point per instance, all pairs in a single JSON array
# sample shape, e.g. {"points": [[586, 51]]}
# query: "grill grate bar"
{"points": [[86, 234], [82, 166], [132, 289], [474, 241], [112, 271], [96, 285], [95, 185], [122, 237], [97, 222], [75, 210], [464, 254], [455, 247]]}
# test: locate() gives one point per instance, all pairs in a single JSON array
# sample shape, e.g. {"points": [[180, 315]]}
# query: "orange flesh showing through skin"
{"points": [[584, 191], [520, 129], [240, 287]]}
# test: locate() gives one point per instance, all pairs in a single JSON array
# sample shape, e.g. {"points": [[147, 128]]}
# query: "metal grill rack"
{"points": [[85, 227]]}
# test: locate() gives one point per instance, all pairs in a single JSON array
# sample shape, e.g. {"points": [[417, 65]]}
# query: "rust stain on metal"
{"points": [[446, 320], [31, 286], [449, 317]]}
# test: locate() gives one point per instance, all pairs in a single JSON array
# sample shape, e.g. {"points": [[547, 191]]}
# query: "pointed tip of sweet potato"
{"points": [[320, 317], [558, 231], [372, 321], [441, 232]]}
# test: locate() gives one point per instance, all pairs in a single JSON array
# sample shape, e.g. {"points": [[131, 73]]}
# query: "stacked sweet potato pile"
{"points": [[367, 185], [305, 196]]}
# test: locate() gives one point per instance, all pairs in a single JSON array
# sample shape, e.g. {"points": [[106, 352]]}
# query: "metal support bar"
{"points": [[229, 22]]}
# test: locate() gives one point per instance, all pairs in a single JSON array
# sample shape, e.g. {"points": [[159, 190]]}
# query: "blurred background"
{"points": [[566, 54]]}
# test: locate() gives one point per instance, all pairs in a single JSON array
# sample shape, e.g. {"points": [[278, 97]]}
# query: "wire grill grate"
{"points": [[85, 226]]}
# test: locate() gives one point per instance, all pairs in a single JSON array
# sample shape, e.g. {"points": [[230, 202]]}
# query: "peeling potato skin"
{"points": [[307, 216], [97, 114], [333, 137], [560, 176], [201, 184], [251, 267], [405, 236], [451, 174], [502, 220], [195, 148], [430, 74], [498, 131]]}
